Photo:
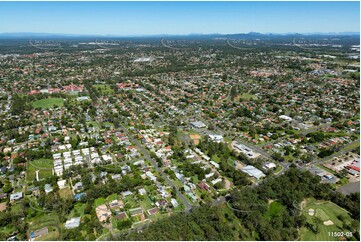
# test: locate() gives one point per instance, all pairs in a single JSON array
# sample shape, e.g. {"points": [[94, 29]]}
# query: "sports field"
{"points": [[48, 103], [327, 212]]}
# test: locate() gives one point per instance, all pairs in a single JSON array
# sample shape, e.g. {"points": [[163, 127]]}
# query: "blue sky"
{"points": [[147, 18]]}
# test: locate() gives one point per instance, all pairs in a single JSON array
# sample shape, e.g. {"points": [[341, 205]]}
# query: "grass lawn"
{"points": [[289, 157], [146, 203], [99, 201], [7, 230], [248, 96], [51, 236], [78, 210], [156, 216], [228, 139], [108, 124], [44, 166], [216, 158], [114, 222], [129, 202], [274, 210], [177, 183], [195, 179], [112, 197], [326, 169], [104, 234], [351, 146], [66, 194], [103, 89], [50, 220], [48, 103], [278, 169], [95, 124], [343, 181], [325, 211], [16, 208], [191, 131]]}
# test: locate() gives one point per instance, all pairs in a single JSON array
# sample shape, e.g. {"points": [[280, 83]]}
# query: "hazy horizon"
{"points": [[187, 34], [178, 18]]}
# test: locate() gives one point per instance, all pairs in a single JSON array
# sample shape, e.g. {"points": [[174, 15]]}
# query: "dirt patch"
{"points": [[239, 165], [328, 223], [227, 184], [311, 212], [194, 136]]}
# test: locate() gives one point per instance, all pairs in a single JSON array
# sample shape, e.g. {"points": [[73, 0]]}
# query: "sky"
{"points": [[149, 18]]}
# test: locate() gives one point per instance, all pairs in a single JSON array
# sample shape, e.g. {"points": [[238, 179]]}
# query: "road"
{"points": [[239, 140], [253, 147], [147, 155], [341, 152], [304, 132], [310, 130], [167, 46], [235, 47]]}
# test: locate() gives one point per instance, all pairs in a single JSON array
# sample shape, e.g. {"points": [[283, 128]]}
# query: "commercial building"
{"points": [[253, 171]]}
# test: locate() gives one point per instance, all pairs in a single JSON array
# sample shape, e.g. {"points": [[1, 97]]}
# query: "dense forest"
{"points": [[270, 211], [204, 223]]}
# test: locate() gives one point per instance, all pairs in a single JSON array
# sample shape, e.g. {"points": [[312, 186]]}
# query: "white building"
{"points": [[285, 118], [72, 223], [269, 165], [198, 124], [253, 171], [215, 164], [217, 138]]}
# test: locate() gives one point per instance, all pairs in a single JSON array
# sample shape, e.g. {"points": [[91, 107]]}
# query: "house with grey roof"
{"points": [[48, 188]]}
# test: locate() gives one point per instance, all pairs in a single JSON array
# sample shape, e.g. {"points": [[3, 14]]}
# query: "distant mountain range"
{"points": [[215, 35]]}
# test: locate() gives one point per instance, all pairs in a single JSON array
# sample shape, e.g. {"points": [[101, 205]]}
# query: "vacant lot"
{"points": [[325, 211], [48, 103], [66, 194]]}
